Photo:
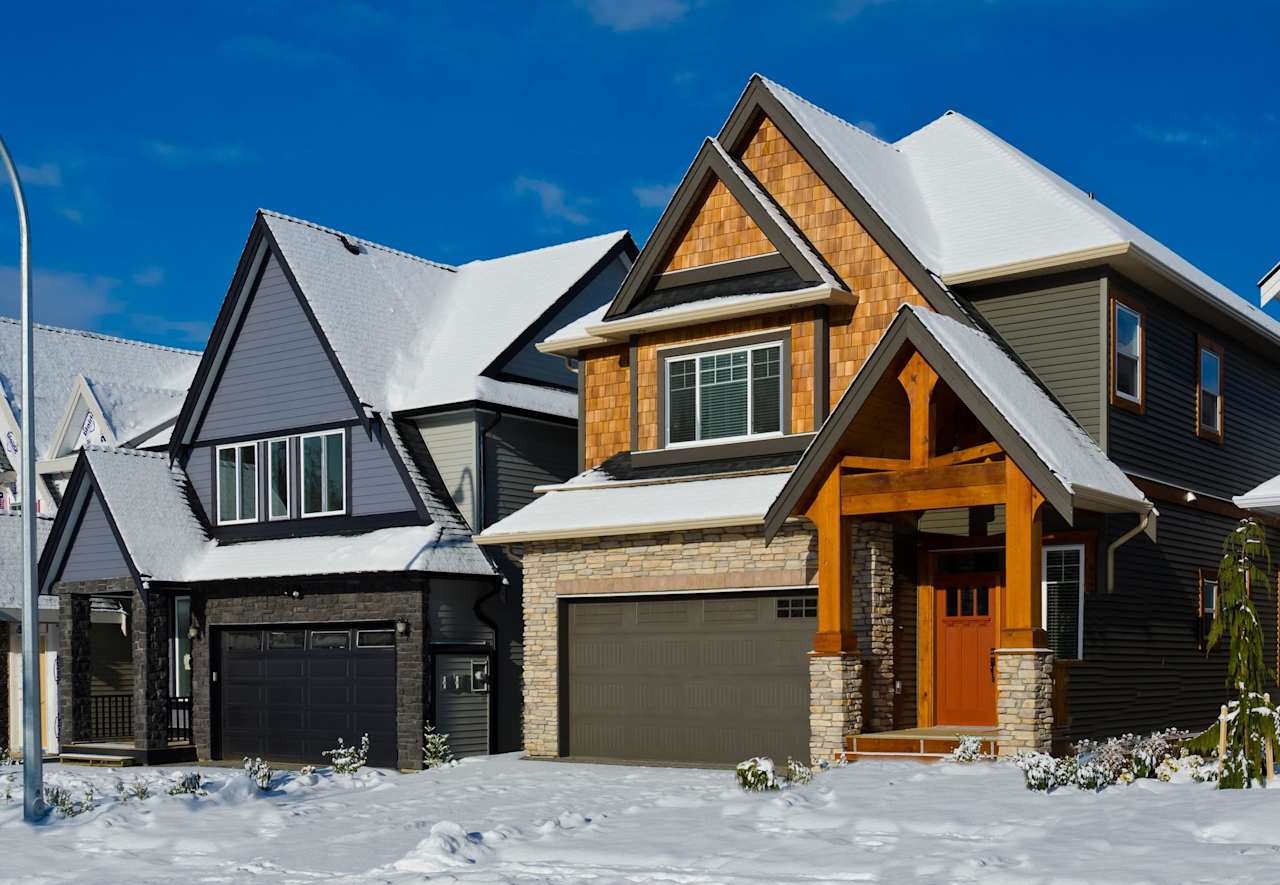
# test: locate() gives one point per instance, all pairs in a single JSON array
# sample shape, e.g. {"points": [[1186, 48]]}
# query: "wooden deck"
{"points": [[918, 744]]}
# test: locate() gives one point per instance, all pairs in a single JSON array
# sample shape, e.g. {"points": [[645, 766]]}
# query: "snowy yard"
{"points": [[504, 819]]}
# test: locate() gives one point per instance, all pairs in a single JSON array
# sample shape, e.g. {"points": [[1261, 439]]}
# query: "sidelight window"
{"points": [[1062, 600], [279, 483], [324, 473], [237, 483]]}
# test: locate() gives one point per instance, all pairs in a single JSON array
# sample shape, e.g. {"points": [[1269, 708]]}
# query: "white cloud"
{"points": [[553, 200], [149, 276], [622, 16], [187, 155], [62, 298], [187, 331], [44, 175], [1205, 139], [653, 196]]}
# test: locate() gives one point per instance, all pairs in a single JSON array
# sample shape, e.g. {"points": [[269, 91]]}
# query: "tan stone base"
{"points": [[1024, 700], [835, 703]]}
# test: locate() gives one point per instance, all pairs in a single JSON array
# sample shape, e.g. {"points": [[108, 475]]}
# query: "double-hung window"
{"points": [[1209, 390], [1062, 600], [725, 394], [1207, 606], [279, 482], [237, 483], [1128, 342], [324, 473]]}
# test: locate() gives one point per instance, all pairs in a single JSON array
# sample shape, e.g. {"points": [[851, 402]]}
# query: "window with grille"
{"points": [[1063, 600], [725, 395], [798, 607]]}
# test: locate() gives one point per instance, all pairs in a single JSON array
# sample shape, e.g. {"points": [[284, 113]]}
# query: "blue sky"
{"points": [[149, 133]]}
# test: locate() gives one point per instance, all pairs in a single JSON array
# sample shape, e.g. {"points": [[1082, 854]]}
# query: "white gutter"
{"points": [[631, 528], [1121, 541]]}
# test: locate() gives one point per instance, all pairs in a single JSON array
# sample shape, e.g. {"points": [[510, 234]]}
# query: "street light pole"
{"points": [[32, 748]]}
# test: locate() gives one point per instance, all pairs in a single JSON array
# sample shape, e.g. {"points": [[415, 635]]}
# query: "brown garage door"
{"points": [[708, 679]]}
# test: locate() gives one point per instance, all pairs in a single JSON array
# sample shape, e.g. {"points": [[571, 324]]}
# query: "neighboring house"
{"points": [[88, 390], [875, 435], [305, 539]]}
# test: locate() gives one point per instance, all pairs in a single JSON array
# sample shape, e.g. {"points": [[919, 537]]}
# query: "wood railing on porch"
{"points": [[179, 720], [110, 717]]}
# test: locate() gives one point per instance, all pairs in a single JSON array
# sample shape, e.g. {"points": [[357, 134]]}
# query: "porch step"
{"points": [[925, 745], [97, 759], [892, 757]]}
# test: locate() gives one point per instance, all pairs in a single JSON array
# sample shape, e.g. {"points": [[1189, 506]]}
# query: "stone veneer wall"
{"points": [[150, 633], [1024, 700], [708, 559], [835, 703], [872, 550]]}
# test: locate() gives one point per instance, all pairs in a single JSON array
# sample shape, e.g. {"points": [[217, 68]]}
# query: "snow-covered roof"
{"points": [[1265, 498], [591, 505], [62, 354], [411, 333], [963, 201], [11, 557], [133, 410], [149, 501]]}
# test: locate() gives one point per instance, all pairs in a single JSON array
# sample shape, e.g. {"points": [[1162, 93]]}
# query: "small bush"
{"points": [[798, 774], [59, 799], [188, 784], [969, 750], [307, 770], [348, 760], [435, 748], [756, 775], [259, 772]]}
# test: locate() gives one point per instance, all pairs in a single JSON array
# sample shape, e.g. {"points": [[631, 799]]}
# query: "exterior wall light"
{"points": [[193, 632], [402, 628]]}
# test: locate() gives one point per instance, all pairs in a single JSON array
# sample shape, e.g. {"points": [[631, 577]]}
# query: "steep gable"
{"points": [[720, 230], [94, 553]]}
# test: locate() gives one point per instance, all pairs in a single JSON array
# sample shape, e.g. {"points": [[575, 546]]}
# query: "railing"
{"points": [[110, 717], [179, 719]]}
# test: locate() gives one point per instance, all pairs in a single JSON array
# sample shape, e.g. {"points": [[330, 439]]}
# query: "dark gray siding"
{"points": [[1056, 333], [1142, 667], [451, 611], [277, 376], [461, 712], [376, 483], [529, 363], [200, 472], [110, 660], [95, 554], [451, 440], [1162, 442], [520, 454]]}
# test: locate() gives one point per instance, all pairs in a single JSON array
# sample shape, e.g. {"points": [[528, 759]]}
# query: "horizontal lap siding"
{"points": [[520, 455], [1143, 669], [376, 483], [451, 611], [95, 554], [277, 375], [451, 440], [1056, 333], [1162, 442], [200, 472]]}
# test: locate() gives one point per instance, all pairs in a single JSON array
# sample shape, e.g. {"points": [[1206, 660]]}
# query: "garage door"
{"points": [[289, 693], [703, 679]]}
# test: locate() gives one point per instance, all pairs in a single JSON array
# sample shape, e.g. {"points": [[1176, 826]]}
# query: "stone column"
{"points": [[1024, 700], [835, 702], [149, 630], [872, 552], [73, 668], [4, 684]]}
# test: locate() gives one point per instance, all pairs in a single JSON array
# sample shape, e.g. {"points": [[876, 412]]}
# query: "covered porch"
{"points": [[941, 420]]}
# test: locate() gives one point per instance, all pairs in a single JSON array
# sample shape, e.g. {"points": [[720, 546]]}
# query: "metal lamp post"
{"points": [[32, 749]]}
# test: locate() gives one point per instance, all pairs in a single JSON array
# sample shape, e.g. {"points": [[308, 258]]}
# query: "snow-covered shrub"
{"points": [[969, 750], [1040, 770], [435, 748], [348, 760], [59, 799], [259, 772], [307, 770], [139, 789], [1094, 775], [188, 784], [756, 775], [798, 774]]}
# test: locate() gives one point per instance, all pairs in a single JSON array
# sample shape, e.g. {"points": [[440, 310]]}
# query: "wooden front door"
{"points": [[965, 609]]}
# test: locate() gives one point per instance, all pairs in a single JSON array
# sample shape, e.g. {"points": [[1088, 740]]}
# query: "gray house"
{"points": [[304, 542]]}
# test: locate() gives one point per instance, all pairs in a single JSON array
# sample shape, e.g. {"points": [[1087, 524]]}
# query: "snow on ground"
{"points": [[504, 819]]}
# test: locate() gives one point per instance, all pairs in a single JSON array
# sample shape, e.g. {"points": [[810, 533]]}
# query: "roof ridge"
{"points": [[100, 336], [127, 451], [820, 109], [621, 232], [370, 243]]}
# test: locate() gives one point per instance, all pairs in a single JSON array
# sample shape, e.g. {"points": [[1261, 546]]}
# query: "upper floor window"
{"points": [[324, 473], [1128, 345], [1209, 390], [279, 481], [237, 483], [725, 394]]}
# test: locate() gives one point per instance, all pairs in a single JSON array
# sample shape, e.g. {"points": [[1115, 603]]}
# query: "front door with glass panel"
{"points": [[965, 611]]}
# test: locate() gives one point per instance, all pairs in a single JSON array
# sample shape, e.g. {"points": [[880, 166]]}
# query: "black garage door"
{"points": [[289, 693], [704, 679]]}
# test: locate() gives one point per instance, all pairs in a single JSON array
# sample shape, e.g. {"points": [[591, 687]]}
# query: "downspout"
{"points": [[481, 501], [1119, 542]]}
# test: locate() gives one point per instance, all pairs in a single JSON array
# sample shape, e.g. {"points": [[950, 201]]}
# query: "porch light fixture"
{"points": [[294, 593], [193, 632], [402, 628]]}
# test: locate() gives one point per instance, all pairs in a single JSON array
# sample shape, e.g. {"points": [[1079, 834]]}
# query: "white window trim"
{"points": [[697, 357], [324, 464], [1044, 592], [1216, 427], [1139, 357], [217, 472], [288, 479]]}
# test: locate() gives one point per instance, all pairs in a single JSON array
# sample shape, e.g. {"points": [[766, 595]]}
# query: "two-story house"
{"points": [[89, 389], [877, 438], [304, 543]]}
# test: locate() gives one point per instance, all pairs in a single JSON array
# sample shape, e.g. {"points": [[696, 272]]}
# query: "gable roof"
{"points": [[1055, 452], [62, 354], [148, 502], [11, 554]]}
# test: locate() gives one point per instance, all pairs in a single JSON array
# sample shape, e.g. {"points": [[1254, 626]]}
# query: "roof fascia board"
{"points": [[67, 523], [1060, 261], [487, 539], [758, 100], [570, 346], [625, 245]]}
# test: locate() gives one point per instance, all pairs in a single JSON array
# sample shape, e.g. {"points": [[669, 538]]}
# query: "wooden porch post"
{"points": [[835, 571], [1021, 625]]}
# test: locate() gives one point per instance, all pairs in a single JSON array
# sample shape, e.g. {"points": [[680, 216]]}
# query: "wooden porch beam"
{"points": [[835, 572], [964, 456], [924, 488], [860, 462], [918, 379], [1021, 625]]}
